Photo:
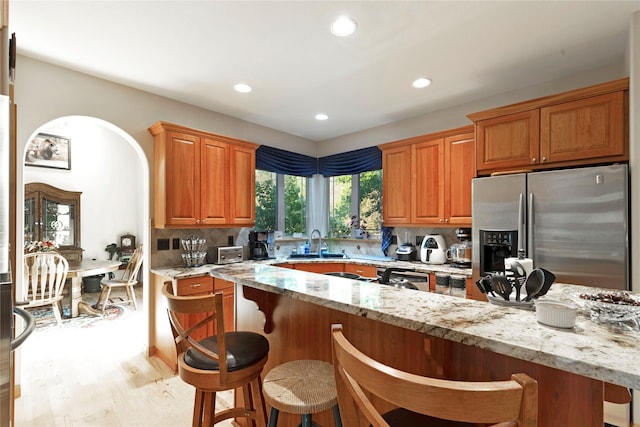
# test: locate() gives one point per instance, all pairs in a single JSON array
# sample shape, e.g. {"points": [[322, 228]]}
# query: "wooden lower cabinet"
{"points": [[320, 267], [361, 270], [163, 345]]}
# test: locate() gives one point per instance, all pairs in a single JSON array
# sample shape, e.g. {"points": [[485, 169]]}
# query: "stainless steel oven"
{"points": [[403, 278]]}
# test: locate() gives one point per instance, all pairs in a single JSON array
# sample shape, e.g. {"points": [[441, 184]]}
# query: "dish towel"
{"points": [[386, 239]]}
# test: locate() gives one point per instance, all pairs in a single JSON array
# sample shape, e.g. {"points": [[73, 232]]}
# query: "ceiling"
{"points": [[195, 51]]}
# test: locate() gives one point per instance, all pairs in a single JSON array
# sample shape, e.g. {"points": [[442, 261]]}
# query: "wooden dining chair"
{"points": [[44, 276], [424, 401], [220, 361], [128, 280]]}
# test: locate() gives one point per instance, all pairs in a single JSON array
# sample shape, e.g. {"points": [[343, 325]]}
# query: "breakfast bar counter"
{"points": [[438, 335]]}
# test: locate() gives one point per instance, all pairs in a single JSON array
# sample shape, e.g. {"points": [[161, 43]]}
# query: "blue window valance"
{"points": [[351, 162], [290, 163], [285, 162]]}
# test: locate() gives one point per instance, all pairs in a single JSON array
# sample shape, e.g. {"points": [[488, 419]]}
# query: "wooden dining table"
{"points": [[84, 268]]}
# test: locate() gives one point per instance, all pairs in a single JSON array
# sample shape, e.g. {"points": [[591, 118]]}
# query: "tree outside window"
{"points": [[290, 192]]}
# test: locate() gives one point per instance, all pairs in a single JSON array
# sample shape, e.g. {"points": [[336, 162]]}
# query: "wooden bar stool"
{"points": [[302, 387]]}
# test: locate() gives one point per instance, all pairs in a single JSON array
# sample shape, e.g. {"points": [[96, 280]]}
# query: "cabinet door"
{"points": [[509, 141], [182, 198], [460, 169], [396, 186], [228, 291], [584, 129], [242, 200], [214, 182], [428, 183]]}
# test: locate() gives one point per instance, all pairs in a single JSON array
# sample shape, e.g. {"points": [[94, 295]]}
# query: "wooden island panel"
{"points": [[300, 330]]}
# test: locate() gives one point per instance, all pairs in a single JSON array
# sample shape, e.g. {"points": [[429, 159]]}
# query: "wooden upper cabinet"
{"points": [[202, 179], [214, 178], [396, 185], [242, 202], [428, 182], [460, 168], [581, 127], [508, 141], [182, 194], [584, 129]]}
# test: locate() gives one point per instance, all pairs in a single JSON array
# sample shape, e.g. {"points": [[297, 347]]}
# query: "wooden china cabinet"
{"points": [[53, 214]]}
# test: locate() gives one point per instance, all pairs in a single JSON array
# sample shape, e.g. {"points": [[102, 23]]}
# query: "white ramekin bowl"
{"points": [[558, 314]]}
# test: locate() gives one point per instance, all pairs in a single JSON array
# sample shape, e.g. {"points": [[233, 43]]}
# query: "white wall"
{"points": [[104, 167], [456, 116]]}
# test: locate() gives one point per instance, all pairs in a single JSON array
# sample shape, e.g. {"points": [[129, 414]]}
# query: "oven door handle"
{"points": [[387, 273]]}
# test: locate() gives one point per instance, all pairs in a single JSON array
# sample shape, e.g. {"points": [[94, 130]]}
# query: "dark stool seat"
{"points": [[303, 387]]}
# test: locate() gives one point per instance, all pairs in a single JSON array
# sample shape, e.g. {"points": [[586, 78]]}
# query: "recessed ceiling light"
{"points": [[422, 82], [242, 88], [343, 26], [321, 116]]}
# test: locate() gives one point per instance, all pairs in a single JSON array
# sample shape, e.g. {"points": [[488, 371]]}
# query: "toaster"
{"points": [[225, 254]]}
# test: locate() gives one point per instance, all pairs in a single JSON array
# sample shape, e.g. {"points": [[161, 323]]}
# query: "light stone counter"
{"points": [[590, 349], [180, 272]]}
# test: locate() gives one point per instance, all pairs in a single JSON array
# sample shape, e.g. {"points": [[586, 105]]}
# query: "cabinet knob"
{"points": [[544, 158], [534, 160], [446, 220], [440, 220], [196, 285]]}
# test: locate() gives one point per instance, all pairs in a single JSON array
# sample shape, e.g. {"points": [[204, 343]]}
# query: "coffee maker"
{"points": [[460, 253], [260, 245]]}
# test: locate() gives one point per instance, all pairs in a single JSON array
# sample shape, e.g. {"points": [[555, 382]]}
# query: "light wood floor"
{"points": [[99, 376]]}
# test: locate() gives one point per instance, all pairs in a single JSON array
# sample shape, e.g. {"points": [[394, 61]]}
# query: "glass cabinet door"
{"points": [[58, 222], [30, 227]]}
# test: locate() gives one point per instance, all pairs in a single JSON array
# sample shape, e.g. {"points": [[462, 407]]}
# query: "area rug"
{"points": [[46, 320]]}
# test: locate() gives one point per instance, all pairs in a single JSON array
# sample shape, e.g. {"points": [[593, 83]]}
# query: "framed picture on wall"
{"points": [[49, 151]]}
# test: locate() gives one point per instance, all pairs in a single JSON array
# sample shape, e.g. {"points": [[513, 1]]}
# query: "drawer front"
{"points": [[195, 285], [361, 270]]}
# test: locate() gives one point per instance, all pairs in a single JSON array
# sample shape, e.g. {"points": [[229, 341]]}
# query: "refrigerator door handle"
{"points": [[522, 238], [530, 227]]}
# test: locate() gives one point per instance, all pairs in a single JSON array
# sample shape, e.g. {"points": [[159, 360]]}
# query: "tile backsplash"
{"points": [[166, 238]]}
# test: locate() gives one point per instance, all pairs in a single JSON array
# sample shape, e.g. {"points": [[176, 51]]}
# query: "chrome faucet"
{"points": [[319, 240]]}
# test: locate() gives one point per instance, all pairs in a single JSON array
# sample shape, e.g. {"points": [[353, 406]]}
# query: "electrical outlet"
{"points": [[230, 240], [163, 244], [419, 240], [394, 239], [176, 243]]}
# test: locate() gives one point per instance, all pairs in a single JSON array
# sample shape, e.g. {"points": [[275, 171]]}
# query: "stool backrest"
{"points": [[504, 403], [212, 323]]}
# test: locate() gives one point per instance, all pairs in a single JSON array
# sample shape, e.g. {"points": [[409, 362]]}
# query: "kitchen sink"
{"points": [[315, 255]]}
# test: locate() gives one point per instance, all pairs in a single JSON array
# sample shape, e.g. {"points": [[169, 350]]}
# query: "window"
{"points": [[357, 195], [281, 193]]}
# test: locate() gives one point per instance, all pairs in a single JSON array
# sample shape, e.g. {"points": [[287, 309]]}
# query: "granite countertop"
{"points": [[180, 272], [590, 349]]}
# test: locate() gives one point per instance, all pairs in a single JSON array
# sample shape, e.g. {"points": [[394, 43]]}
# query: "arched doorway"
{"points": [[111, 170]]}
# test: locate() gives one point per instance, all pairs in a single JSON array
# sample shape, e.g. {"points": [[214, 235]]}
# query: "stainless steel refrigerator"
{"points": [[573, 222]]}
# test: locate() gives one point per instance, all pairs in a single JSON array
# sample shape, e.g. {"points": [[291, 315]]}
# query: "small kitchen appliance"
{"points": [[460, 253], [261, 244], [225, 254], [406, 252], [432, 250]]}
